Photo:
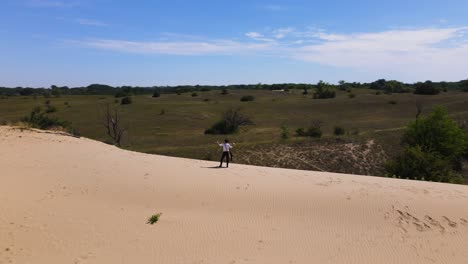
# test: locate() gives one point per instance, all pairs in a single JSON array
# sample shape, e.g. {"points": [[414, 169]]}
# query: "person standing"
{"points": [[226, 152]]}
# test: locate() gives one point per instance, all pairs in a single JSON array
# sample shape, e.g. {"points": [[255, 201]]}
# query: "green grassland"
{"points": [[180, 130]]}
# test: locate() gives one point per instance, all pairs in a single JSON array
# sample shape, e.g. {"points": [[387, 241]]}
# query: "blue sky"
{"points": [[78, 42]]}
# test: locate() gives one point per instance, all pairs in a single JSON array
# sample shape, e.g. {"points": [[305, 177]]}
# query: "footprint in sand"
{"points": [[463, 221], [421, 227], [435, 223], [450, 222]]}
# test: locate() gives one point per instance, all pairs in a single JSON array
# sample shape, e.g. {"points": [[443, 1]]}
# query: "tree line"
{"points": [[381, 86]]}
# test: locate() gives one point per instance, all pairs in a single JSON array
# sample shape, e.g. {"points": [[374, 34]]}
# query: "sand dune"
{"points": [[70, 200]]}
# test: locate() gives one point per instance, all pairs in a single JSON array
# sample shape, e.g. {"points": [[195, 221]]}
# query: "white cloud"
{"points": [[405, 54], [257, 36], [283, 32], [91, 22], [416, 54], [253, 35], [220, 47]]}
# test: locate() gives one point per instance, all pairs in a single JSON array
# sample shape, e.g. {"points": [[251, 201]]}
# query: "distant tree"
{"points": [[27, 91], [55, 91], [395, 87], [464, 85], [419, 108], [224, 92], [99, 89], [389, 87], [126, 100], [156, 93], [343, 86], [378, 85], [324, 91], [426, 88]]}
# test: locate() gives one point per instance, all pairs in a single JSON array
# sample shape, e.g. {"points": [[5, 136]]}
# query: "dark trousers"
{"points": [[225, 155]]}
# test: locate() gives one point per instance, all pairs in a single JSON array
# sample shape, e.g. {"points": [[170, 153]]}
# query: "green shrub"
{"points": [[351, 95], [314, 132], [154, 219], [392, 102], [51, 109], [338, 131], [156, 94], [414, 163], [39, 119], [326, 94], [194, 94], [224, 92], [301, 132], [126, 100], [437, 133], [230, 122], [378, 93], [284, 132], [434, 148], [247, 98]]}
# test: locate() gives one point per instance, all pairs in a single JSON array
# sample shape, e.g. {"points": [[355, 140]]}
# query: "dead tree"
{"points": [[113, 125], [419, 108]]}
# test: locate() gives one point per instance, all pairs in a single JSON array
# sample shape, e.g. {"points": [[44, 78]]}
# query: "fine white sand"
{"points": [[70, 200]]}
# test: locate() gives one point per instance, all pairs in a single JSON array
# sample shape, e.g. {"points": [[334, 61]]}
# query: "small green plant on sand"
{"points": [[154, 218]]}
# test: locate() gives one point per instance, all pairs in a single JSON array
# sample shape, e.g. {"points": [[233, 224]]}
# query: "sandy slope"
{"points": [[69, 200]]}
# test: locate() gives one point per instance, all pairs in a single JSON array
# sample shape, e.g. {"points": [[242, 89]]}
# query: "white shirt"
{"points": [[226, 146]]}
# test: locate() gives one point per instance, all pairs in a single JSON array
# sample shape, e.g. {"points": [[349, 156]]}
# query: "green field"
{"points": [[180, 130]]}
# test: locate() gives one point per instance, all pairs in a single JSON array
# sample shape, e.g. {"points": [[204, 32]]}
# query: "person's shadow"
{"points": [[214, 167]]}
